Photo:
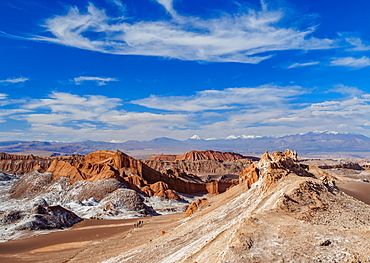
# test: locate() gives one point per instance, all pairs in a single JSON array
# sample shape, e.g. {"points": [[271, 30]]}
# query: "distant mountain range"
{"points": [[313, 144]]}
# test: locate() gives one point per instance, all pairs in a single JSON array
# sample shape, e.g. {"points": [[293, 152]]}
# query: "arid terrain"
{"points": [[201, 206]]}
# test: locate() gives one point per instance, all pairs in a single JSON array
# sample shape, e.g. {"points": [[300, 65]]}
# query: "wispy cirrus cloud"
{"points": [[101, 81], [244, 37], [14, 80], [358, 44], [305, 64], [351, 62], [346, 90], [229, 98]]}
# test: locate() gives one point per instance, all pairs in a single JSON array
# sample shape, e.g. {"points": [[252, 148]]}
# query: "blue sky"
{"points": [[117, 70]]}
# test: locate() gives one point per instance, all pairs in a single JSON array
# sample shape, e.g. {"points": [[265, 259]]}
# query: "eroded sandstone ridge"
{"points": [[22, 164], [282, 211]]}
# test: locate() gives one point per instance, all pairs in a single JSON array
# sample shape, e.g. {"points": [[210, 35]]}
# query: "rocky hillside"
{"points": [[282, 211], [193, 170], [200, 155], [209, 165]]}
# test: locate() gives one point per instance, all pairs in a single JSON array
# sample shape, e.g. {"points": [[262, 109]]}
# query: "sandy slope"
{"points": [[88, 241], [359, 190]]}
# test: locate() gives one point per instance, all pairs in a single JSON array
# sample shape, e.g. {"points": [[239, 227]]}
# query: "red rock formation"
{"points": [[161, 189], [273, 166], [22, 164], [210, 155], [194, 206], [131, 172], [249, 176]]}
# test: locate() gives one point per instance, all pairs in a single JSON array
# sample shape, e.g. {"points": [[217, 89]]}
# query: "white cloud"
{"points": [[263, 110], [357, 43], [3, 96], [244, 37], [14, 80], [222, 99], [296, 65], [168, 5], [64, 116], [346, 90], [349, 115], [64, 108], [99, 80], [351, 62]]}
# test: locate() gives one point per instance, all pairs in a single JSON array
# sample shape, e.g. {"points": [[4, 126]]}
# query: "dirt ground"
{"points": [[88, 241]]}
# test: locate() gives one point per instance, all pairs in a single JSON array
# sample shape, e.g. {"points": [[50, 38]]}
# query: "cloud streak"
{"points": [[14, 80], [358, 44], [351, 62], [297, 65], [99, 80], [243, 37]]}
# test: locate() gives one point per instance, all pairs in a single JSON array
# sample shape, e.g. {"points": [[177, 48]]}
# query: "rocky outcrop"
{"points": [[273, 166], [249, 176], [22, 164], [40, 216], [49, 217], [128, 200], [160, 189], [194, 206]]}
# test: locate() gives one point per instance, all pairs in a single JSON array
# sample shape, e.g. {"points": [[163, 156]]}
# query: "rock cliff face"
{"points": [[191, 170], [200, 155], [282, 211], [210, 165], [22, 164]]}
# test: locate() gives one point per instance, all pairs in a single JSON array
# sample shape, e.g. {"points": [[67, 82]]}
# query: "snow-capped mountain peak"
{"points": [[195, 137]]}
